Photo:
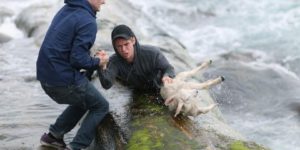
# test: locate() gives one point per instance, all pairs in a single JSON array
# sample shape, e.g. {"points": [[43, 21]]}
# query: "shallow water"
{"points": [[260, 102], [26, 111]]}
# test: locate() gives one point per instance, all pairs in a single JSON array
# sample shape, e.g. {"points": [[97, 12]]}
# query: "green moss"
{"points": [[160, 132], [246, 145], [238, 145], [143, 140], [153, 128]]}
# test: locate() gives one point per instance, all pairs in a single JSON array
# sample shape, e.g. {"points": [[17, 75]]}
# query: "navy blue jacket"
{"points": [[66, 47]]}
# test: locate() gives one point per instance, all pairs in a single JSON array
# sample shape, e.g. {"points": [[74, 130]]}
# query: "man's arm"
{"points": [[108, 76], [80, 54], [167, 69]]}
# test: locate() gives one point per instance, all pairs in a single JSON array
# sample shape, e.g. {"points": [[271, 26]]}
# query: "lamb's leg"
{"points": [[204, 110], [186, 74], [179, 107], [204, 85]]}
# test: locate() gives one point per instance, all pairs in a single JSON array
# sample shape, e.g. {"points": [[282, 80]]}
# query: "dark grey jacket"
{"points": [[145, 73]]}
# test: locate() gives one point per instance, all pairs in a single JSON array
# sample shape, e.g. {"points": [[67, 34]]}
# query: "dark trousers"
{"points": [[81, 98]]}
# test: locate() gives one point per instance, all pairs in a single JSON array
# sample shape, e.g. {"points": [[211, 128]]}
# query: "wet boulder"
{"points": [[4, 38], [4, 13], [152, 126], [35, 23]]}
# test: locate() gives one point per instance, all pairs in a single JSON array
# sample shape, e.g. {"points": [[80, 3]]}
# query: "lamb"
{"points": [[182, 95]]}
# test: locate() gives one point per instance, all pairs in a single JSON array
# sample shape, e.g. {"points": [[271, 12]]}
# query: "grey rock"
{"points": [[4, 38], [4, 13], [35, 23]]}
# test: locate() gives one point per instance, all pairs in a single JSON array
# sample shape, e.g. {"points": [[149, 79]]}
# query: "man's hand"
{"points": [[103, 58], [166, 80]]}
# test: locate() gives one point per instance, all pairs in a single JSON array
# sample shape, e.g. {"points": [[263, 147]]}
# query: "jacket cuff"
{"points": [[96, 63]]}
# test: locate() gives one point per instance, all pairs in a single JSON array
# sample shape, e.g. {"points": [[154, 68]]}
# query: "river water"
{"points": [[26, 111], [254, 45]]}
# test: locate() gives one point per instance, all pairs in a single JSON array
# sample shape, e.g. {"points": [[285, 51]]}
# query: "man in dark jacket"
{"points": [[138, 66], [64, 52]]}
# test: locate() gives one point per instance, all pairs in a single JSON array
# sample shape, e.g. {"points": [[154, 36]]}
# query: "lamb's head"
{"points": [[168, 91], [183, 100], [187, 103]]}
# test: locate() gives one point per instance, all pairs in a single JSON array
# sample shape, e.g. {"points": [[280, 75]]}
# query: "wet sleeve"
{"points": [[80, 54], [163, 64], [108, 76]]}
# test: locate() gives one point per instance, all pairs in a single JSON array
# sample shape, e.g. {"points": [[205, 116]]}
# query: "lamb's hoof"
{"points": [[222, 78]]}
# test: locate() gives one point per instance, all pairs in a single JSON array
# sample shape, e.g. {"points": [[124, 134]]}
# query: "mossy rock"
{"points": [[240, 145], [152, 127]]}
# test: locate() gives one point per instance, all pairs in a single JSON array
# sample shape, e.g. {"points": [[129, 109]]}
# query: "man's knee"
{"points": [[102, 105], [105, 106]]}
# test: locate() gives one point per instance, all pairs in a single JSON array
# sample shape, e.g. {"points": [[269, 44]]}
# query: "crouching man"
{"points": [[137, 66]]}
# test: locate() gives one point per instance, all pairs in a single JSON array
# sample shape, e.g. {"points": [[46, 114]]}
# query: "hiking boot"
{"points": [[47, 140]]}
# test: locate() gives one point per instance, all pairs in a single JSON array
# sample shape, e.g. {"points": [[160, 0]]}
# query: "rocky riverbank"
{"points": [[209, 131]]}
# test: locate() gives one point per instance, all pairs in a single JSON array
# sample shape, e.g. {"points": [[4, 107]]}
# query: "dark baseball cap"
{"points": [[121, 31]]}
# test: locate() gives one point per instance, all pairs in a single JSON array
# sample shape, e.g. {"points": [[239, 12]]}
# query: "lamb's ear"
{"points": [[169, 100]]}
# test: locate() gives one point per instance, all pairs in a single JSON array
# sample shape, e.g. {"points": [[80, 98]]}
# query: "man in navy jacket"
{"points": [[64, 52]]}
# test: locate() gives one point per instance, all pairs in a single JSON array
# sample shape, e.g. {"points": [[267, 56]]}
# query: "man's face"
{"points": [[125, 48], [96, 4]]}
